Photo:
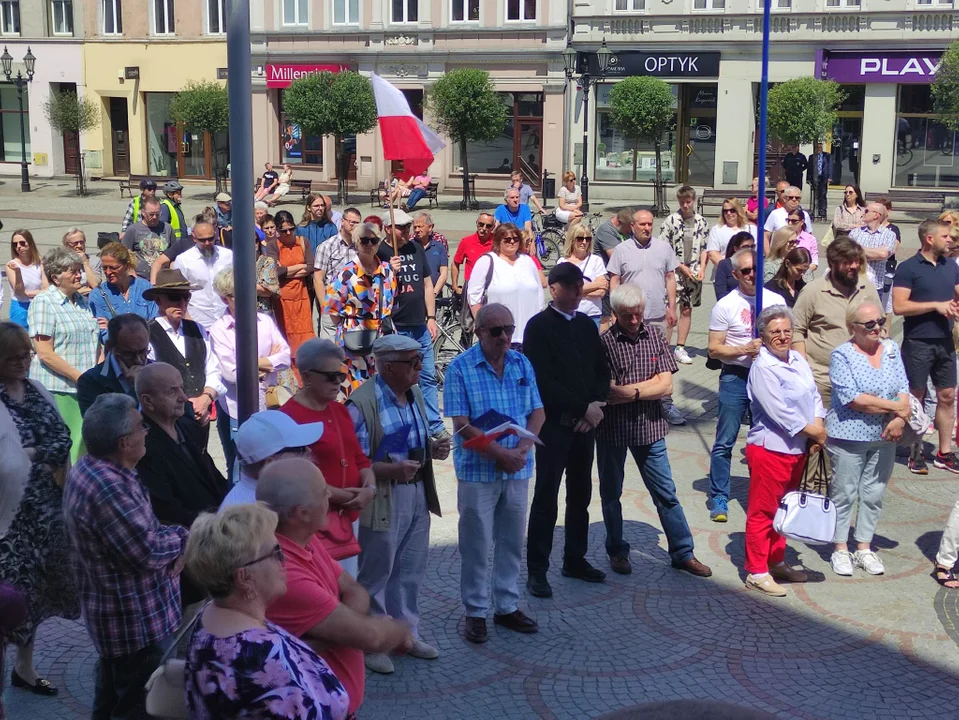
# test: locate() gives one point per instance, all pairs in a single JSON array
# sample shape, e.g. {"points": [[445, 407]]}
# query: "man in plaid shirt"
{"points": [[641, 368], [128, 565]]}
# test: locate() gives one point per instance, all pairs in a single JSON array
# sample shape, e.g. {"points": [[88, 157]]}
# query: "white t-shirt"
{"points": [[32, 276], [569, 196], [734, 315], [777, 219], [593, 268], [516, 286], [720, 235]]}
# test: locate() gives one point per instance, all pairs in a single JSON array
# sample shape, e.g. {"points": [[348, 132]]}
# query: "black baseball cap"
{"points": [[565, 274]]}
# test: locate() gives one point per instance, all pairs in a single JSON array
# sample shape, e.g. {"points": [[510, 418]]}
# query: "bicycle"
{"points": [[550, 238], [448, 341]]}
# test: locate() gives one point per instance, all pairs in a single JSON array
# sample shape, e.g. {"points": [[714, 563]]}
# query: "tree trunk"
{"points": [[659, 199], [816, 212], [466, 176], [81, 190], [340, 171]]}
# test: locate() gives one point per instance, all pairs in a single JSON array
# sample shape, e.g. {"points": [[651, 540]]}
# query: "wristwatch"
{"points": [[209, 395]]}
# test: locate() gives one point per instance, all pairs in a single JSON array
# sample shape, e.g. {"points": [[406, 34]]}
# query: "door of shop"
{"points": [[199, 155], [844, 154], [697, 134], [120, 135]]}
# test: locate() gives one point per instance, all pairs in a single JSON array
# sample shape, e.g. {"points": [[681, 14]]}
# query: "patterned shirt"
{"points": [[73, 331], [123, 557], [393, 418], [472, 388], [674, 230], [630, 361], [852, 375], [333, 255], [882, 238]]}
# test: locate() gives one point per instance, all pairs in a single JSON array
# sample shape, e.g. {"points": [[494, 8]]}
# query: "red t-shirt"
{"points": [[312, 594], [471, 249]]}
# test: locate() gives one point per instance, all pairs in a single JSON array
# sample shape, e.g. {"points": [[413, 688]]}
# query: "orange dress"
{"points": [[294, 315]]}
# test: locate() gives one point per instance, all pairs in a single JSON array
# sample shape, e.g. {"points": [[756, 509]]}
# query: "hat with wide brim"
{"points": [[169, 282]]}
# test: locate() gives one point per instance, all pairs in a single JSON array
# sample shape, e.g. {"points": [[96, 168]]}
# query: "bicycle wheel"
{"points": [[552, 242], [446, 346]]}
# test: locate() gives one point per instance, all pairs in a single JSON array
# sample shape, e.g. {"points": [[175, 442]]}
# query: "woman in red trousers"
{"points": [[788, 425]]}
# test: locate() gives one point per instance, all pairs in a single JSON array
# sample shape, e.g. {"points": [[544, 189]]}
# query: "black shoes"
{"points": [[538, 586], [42, 686], [517, 621], [585, 572]]}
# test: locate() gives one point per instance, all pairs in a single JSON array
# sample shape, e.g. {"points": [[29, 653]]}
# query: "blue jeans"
{"points": [[416, 194], [226, 428], [431, 393], [653, 464], [732, 407]]}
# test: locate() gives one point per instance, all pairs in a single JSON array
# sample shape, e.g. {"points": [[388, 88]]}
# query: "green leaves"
{"points": [[66, 112], [803, 111], [642, 108], [465, 105], [202, 105], [945, 90], [331, 104]]}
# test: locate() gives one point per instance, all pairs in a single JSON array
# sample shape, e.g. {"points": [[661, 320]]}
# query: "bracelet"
{"points": [[637, 395], [209, 395], [430, 317]]}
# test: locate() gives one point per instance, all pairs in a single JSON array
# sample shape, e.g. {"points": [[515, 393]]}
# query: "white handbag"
{"points": [[918, 425], [166, 688], [807, 516]]}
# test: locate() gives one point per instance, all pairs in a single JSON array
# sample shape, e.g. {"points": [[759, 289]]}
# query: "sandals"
{"points": [[949, 577]]}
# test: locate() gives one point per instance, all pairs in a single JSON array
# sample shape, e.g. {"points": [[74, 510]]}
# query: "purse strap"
{"points": [[180, 634], [811, 485]]}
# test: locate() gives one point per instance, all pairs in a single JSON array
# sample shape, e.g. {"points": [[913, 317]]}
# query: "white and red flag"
{"points": [[405, 136]]}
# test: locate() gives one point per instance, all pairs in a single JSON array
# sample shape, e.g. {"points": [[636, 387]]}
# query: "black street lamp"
{"points": [[574, 62], [29, 62]]}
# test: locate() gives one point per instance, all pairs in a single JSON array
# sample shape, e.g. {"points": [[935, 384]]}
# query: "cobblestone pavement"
{"points": [[861, 647]]}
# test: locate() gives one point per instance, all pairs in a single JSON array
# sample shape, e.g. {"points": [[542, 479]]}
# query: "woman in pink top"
{"points": [[804, 239], [418, 187], [752, 202]]}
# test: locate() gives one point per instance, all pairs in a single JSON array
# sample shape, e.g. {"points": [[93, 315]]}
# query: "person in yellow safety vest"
{"points": [[170, 211], [148, 189]]}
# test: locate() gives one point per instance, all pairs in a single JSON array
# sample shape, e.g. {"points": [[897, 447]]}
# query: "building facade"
{"points": [[411, 43], [53, 32], [137, 55], [710, 51]]}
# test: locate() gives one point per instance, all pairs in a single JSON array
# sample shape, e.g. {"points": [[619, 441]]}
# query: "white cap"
{"points": [[400, 218], [269, 432]]}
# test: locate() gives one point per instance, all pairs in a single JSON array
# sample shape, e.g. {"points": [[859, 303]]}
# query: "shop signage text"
{"points": [[281, 76], [625, 64], [892, 67]]}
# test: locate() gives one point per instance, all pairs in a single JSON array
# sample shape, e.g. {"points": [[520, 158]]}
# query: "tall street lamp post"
{"points": [[574, 62], [29, 62]]}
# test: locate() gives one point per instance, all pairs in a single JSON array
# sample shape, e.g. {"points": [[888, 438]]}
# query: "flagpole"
{"points": [[396, 249], [761, 198]]}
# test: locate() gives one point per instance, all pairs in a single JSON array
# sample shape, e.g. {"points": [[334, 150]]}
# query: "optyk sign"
{"points": [[891, 67], [679, 64]]}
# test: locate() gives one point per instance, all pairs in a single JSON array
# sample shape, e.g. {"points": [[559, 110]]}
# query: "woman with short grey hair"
{"points": [[787, 425], [273, 357], [66, 337]]}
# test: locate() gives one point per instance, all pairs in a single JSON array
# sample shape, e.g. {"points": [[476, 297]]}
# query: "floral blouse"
{"points": [[260, 673], [352, 298], [266, 275]]}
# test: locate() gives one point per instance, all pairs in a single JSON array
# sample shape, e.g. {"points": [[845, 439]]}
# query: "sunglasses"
{"points": [[287, 230], [500, 329], [412, 362], [585, 239], [795, 221], [793, 197], [510, 239], [872, 324], [747, 271], [204, 240], [178, 298], [369, 241], [849, 192], [484, 225], [729, 210], [276, 553], [21, 243], [334, 376]]}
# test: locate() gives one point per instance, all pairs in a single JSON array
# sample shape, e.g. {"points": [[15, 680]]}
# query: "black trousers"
{"points": [[562, 451], [119, 683]]}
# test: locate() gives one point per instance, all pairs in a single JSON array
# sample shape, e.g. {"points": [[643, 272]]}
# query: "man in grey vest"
{"points": [[389, 415]]}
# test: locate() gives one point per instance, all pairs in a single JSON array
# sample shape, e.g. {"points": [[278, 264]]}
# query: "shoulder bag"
{"points": [[166, 688], [360, 342], [467, 321], [808, 516]]}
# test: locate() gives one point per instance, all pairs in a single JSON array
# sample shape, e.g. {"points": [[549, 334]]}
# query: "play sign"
{"points": [[891, 67]]}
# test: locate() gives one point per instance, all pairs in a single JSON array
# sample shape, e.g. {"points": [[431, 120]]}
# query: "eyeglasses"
{"points": [[511, 239], [276, 554], [849, 192], [872, 324], [412, 362], [287, 230], [204, 240], [498, 330], [25, 357], [793, 197], [795, 221], [21, 243], [333, 376], [780, 333], [747, 271], [585, 239], [349, 221], [369, 241], [484, 225], [729, 210], [113, 268]]}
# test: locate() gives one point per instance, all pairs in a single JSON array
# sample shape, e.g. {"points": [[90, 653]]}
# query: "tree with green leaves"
{"points": [[337, 104], [467, 109], [203, 106], [945, 90], [642, 108], [802, 111], [68, 113]]}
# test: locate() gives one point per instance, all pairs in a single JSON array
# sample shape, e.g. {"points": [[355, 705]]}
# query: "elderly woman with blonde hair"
{"points": [[578, 250], [239, 664]]}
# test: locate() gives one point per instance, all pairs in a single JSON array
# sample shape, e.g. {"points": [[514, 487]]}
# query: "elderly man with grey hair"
{"points": [[128, 564], [641, 368], [486, 386], [75, 240], [778, 218], [390, 419], [436, 248], [879, 243]]}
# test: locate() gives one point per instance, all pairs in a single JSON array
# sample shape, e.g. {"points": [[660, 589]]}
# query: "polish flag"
{"points": [[405, 136]]}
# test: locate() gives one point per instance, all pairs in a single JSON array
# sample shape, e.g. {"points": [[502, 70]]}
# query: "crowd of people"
{"points": [[299, 564]]}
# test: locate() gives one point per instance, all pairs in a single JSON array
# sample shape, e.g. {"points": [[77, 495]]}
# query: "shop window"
{"points": [[10, 123], [930, 3], [621, 159], [784, 4], [163, 23], [216, 17], [404, 11], [464, 11], [518, 145], [709, 4], [294, 147], [111, 16], [61, 17], [161, 135], [346, 12], [927, 152], [295, 12], [10, 17], [630, 5], [521, 10]]}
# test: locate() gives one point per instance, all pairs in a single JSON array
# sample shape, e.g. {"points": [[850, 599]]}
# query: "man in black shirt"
{"points": [[573, 379], [269, 181], [414, 309], [794, 164]]}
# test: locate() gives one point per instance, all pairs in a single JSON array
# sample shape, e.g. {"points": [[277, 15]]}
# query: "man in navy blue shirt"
{"points": [[514, 212], [926, 293], [436, 253]]}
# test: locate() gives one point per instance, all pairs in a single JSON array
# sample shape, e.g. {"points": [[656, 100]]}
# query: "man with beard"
{"points": [[199, 266], [148, 238], [821, 309]]}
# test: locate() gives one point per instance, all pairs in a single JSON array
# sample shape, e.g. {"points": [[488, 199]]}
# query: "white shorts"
{"points": [[563, 215]]}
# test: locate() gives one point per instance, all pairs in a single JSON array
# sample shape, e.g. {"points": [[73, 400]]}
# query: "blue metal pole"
{"points": [[240, 89], [761, 198]]}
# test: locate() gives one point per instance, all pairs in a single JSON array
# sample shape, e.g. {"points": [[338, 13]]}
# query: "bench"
{"points": [[918, 205], [131, 185], [711, 199]]}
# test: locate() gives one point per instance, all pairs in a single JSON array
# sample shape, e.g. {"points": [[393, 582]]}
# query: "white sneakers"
{"points": [[682, 357], [843, 562]]}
